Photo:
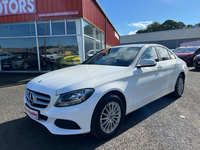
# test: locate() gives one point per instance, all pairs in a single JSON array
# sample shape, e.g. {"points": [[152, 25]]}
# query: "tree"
{"points": [[197, 25], [155, 26], [141, 31], [180, 25], [167, 25], [190, 26]]}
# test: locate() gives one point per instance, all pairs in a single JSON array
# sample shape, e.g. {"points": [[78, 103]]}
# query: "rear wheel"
{"points": [[107, 117], [179, 87]]}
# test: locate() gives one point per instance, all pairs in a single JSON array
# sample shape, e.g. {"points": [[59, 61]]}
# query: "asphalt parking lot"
{"points": [[167, 123]]}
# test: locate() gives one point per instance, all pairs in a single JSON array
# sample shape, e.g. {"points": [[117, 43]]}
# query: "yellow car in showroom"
{"points": [[70, 58]]}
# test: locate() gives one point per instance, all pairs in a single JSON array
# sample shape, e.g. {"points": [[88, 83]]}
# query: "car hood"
{"points": [[10, 59], [78, 77], [74, 57]]}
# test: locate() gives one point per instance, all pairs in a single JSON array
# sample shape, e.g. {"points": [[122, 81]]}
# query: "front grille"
{"points": [[38, 100]]}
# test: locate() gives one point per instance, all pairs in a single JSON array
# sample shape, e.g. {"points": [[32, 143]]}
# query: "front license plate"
{"points": [[199, 62], [32, 113], [5, 66]]}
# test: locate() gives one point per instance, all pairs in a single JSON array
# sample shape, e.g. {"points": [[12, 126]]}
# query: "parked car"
{"points": [[23, 60], [178, 49], [72, 58], [196, 61], [5, 55], [91, 53], [96, 95], [189, 53], [52, 56]]}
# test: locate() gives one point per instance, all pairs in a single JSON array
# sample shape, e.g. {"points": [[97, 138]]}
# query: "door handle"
{"points": [[176, 64], [160, 67]]}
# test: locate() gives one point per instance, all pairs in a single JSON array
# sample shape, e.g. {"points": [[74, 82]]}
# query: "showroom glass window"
{"points": [[73, 26], [64, 50], [22, 54], [61, 52], [43, 28], [59, 45], [94, 40], [58, 27], [88, 29], [17, 29]]}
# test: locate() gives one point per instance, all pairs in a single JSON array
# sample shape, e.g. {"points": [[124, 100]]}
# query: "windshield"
{"points": [[119, 56], [189, 50], [19, 56]]}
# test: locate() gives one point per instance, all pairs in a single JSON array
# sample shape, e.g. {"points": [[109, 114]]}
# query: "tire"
{"points": [[44, 63], [179, 87], [25, 65], [104, 127]]}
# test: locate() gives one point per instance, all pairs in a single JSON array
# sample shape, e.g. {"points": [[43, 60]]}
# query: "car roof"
{"points": [[138, 45]]}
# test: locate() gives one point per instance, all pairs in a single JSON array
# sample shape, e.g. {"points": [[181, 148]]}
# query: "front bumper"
{"points": [[80, 114]]}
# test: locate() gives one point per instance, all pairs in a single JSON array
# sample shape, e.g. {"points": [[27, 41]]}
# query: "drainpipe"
{"points": [[105, 31]]}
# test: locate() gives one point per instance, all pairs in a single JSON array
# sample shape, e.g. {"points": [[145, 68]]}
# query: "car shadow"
{"points": [[13, 79], [194, 70], [24, 133]]}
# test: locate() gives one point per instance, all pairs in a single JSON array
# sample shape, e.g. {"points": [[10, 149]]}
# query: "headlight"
{"points": [[74, 97]]}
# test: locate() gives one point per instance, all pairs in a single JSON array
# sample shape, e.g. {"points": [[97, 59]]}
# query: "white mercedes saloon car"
{"points": [[96, 95]]}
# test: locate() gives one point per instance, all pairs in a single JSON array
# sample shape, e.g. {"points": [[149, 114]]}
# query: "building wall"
{"points": [[47, 6], [191, 43], [171, 44], [93, 14], [111, 39]]}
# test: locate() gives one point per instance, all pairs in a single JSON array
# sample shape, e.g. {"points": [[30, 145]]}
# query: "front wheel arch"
{"points": [[117, 93]]}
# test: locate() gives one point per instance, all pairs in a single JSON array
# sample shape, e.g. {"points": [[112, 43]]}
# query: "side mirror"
{"points": [[147, 63]]}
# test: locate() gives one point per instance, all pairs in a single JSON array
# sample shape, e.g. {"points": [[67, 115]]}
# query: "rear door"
{"points": [[170, 68]]}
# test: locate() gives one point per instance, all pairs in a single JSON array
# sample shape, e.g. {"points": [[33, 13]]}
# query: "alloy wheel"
{"points": [[110, 117]]}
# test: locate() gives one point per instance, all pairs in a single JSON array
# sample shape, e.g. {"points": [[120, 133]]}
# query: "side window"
{"points": [[171, 55], [163, 53], [150, 53]]}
